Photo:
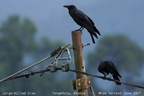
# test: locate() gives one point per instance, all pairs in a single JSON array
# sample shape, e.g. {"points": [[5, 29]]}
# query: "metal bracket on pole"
{"points": [[59, 52], [80, 84], [65, 67], [59, 57], [83, 45], [53, 68]]}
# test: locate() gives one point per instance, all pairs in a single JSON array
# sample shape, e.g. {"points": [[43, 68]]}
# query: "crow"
{"points": [[83, 20], [107, 67]]}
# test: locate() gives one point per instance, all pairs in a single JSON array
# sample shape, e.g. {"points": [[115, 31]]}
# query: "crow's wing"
{"points": [[81, 19], [94, 26], [113, 69]]}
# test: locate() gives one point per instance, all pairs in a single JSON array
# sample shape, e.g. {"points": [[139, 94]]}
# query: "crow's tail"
{"points": [[116, 78], [92, 38], [96, 30]]}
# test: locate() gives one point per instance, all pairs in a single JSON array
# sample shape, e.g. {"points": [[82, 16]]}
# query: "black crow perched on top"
{"points": [[107, 67], [83, 20]]}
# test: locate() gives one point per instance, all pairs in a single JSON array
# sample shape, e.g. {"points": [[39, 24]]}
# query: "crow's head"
{"points": [[70, 6]]}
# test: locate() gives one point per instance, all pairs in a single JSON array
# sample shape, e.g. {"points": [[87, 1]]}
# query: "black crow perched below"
{"points": [[83, 20], [107, 67]]}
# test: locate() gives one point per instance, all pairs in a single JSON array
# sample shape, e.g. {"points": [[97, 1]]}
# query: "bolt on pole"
{"points": [[79, 64]]}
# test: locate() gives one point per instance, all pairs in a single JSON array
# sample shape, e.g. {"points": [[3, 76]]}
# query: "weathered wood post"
{"points": [[81, 83]]}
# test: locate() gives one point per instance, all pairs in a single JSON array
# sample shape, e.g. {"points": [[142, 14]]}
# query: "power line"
{"points": [[105, 78], [25, 69], [65, 68], [53, 53], [76, 71]]}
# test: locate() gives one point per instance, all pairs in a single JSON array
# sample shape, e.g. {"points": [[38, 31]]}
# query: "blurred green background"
{"points": [[30, 30]]}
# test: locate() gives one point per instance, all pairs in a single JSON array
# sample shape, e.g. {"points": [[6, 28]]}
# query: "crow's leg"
{"points": [[80, 29], [105, 74]]}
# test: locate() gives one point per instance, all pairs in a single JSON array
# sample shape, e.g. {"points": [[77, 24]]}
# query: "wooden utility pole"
{"points": [[81, 83]]}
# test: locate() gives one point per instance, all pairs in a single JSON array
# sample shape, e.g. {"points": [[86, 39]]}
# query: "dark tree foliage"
{"points": [[16, 35], [19, 49]]}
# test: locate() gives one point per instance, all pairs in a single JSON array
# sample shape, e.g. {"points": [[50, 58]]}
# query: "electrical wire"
{"points": [[76, 71], [53, 53], [25, 69], [105, 78]]}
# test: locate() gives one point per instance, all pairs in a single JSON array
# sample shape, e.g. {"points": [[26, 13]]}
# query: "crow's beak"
{"points": [[66, 6]]}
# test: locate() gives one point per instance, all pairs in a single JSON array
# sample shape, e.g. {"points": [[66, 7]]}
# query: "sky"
{"points": [[52, 19]]}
